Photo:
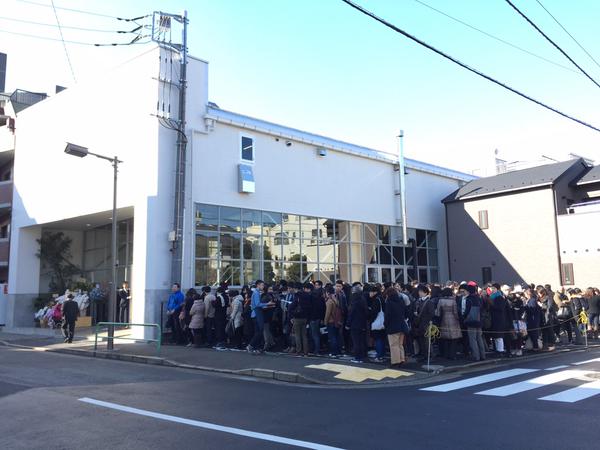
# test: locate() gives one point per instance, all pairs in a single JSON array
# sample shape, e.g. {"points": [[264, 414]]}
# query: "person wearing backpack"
{"points": [[333, 321], [472, 320]]}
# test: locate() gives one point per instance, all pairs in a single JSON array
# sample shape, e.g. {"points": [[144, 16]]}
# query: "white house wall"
{"points": [[580, 246]]}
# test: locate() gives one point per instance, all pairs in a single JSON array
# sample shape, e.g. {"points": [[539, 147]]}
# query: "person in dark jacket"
{"points": [[317, 314], [375, 306], [300, 311], [70, 312], [549, 311], [357, 323], [593, 311], [124, 295], [425, 312], [534, 318], [472, 320], [577, 306], [395, 325], [501, 321]]}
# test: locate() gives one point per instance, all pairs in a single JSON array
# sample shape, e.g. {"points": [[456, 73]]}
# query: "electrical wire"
{"points": [[565, 30], [551, 41], [63, 42], [485, 33], [66, 27], [465, 66], [138, 41], [81, 11]]}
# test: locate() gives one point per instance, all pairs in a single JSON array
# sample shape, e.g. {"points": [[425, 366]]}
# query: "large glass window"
{"points": [[238, 246]]}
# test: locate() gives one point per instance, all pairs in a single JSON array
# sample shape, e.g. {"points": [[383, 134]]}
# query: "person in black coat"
{"points": [[70, 312], [357, 323], [300, 311], [124, 300], [395, 324], [317, 314], [501, 319]]}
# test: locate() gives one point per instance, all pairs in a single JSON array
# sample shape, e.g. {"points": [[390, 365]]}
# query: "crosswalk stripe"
{"points": [[478, 380], [534, 383], [557, 367], [582, 392], [586, 362]]}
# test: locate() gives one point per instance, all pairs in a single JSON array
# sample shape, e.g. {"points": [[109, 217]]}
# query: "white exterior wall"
{"points": [[296, 180], [580, 246], [111, 116], [424, 209], [292, 179]]}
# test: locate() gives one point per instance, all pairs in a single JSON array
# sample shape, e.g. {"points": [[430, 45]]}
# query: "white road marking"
{"points": [[534, 383], [582, 392], [209, 426], [586, 362], [478, 380], [557, 367]]}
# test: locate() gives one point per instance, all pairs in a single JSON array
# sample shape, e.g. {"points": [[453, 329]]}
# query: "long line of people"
{"points": [[366, 321]]}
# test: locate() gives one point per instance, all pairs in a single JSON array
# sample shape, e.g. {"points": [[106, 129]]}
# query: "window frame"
{"points": [[567, 269], [241, 139], [483, 219]]}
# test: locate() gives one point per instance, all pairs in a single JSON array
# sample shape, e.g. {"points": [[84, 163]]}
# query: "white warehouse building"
{"points": [[313, 207]]}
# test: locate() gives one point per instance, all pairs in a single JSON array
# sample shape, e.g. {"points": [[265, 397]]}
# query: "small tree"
{"points": [[55, 255]]}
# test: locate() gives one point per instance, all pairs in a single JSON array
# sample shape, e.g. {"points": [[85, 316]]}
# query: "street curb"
{"points": [[265, 374], [293, 377]]}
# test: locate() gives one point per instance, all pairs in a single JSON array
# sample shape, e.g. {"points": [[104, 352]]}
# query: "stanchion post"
{"points": [[429, 347]]}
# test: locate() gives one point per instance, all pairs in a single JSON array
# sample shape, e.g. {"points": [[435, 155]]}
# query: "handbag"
{"points": [[378, 323], [564, 312]]}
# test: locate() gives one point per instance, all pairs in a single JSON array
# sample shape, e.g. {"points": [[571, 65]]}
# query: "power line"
{"points": [[136, 41], [570, 35], [510, 44], [551, 41], [81, 11], [465, 66], [66, 27], [63, 41]]}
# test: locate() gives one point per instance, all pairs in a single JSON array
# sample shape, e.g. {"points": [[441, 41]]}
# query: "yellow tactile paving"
{"points": [[360, 374]]}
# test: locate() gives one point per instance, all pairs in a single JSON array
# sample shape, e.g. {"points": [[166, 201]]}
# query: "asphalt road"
{"points": [[133, 406]]}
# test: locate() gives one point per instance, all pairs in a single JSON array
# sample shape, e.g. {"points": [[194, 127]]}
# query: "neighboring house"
{"points": [[537, 225], [262, 200]]}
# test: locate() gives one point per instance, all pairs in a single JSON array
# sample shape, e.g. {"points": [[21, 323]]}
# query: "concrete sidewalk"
{"points": [[273, 366]]}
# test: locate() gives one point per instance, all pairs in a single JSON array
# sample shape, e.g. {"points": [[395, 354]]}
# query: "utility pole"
{"points": [[164, 21]]}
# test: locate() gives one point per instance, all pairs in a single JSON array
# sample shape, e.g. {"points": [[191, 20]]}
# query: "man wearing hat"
{"points": [[70, 311]]}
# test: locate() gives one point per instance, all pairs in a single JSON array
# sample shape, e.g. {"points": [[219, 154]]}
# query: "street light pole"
{"points": [[79, 151], [112, 302]]}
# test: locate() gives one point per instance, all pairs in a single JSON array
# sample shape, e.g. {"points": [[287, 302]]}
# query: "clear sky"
{"points": [[321, 66]]}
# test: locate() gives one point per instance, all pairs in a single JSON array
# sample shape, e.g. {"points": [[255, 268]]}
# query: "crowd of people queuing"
{"points": [[455, 320]]}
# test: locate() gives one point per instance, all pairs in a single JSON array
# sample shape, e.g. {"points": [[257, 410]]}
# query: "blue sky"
{"points": [[321, 66]]}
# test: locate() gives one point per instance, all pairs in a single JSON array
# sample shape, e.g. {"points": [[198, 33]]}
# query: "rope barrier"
{"points": [[581, 318]]}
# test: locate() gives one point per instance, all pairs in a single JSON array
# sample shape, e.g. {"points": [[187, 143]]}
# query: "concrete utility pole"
{"points": [[164, 22]]}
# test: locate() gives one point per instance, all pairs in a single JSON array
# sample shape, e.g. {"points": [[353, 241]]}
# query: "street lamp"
{"points": [[81, 152]]}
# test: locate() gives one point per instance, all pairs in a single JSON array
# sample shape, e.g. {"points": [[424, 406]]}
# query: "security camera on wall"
{"points": [[288, 143]]}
